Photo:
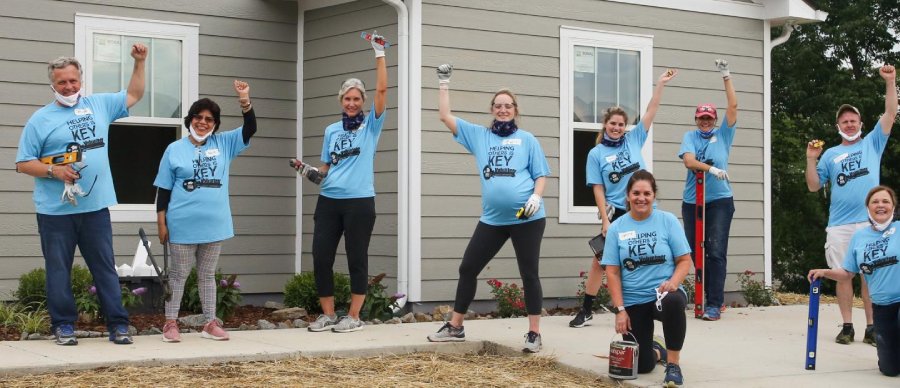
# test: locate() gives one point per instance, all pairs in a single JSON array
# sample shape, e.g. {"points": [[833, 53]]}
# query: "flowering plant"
{"points": [[228, 294], [602, 299], [378, 304], [509, 298], [755, 292], [88, 304]]}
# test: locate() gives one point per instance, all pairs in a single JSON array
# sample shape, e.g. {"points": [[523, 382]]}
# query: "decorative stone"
{"points": [[469, 315], [244, 326], [23, 337], [195, 321], [273, 305], [408, 318], [544, 313], [420, 317], [35, 336], [442, 313], [300, 324], [376, 321], [81, 334], [393, 321], [284, 325], [154, 330], [132, 330], [265, 325], [288, 314], [95, 334]]}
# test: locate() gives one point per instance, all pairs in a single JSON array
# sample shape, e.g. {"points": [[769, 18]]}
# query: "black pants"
{"points": [[887, 336], [354, 219], [673, 322], [484, 245]]}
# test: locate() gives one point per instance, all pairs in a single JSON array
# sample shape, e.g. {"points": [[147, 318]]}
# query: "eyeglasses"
{"points": [[205, 119], [507, 106]]}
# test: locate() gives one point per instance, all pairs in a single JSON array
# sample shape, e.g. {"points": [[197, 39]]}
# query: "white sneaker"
{"points": [[322, 323], [347, 324]]}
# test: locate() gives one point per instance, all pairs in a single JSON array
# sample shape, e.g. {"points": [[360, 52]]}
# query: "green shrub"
{"points": [[32, 291], [34, 322], [228, 294], [755, 292], [9, 313], [81, 280], [300, 291], [377, 304]]}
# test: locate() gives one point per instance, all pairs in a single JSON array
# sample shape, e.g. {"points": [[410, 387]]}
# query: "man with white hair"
{"points": [[63, 146]]}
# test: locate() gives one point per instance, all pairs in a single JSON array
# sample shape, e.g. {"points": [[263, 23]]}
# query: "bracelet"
{"points": [[246, 108], [50, 172]]}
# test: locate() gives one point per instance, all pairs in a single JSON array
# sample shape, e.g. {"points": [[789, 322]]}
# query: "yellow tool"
{"points": [[72, 155]]}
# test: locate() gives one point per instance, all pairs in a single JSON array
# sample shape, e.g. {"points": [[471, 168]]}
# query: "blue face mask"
{"points": [[706, 135], [352, 123], [609, 142], [504, 128]]}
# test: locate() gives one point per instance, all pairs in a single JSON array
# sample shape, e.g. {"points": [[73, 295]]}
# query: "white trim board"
{"points": [[772, 10]]}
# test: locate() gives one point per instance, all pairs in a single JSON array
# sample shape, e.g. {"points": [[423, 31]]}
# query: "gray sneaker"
{"points": [[322, 323], [448, 333], [532, 342], [347, 324], [65, 335]]}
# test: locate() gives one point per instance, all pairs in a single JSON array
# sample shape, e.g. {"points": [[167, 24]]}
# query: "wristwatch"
{"points": [[50, 171], [618, 309]]}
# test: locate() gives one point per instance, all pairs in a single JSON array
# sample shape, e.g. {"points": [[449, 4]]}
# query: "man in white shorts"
{"points": [[852, 168]]}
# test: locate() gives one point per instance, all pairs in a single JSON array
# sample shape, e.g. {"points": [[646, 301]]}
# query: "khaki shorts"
{"points": [[837, 241]]}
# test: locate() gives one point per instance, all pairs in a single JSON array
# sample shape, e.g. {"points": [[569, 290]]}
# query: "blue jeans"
{"points": [[92, 233], [887, 336], [718, 224]]}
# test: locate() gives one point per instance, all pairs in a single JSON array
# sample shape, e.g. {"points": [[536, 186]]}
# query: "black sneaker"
{"points": [[65, 335], [869, 337], [845, 337], [581, 318], [448, 333]]}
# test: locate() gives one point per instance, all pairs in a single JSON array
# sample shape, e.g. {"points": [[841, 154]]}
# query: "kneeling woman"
{"points": [[646, 258], [513, 173], [874, 251]]}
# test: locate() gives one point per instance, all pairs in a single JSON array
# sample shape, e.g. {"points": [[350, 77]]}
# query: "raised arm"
{"points": [[650, 114], [890, 98], [380, 74], [136, 86], [731, 111], [813, 150], [249, 128], [444, 72]]}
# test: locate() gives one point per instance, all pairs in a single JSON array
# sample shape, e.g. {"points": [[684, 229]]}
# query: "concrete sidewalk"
{"points": [[749, 347]]}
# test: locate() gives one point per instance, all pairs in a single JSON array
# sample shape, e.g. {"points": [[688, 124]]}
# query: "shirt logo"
{"points": [[511, 142]]}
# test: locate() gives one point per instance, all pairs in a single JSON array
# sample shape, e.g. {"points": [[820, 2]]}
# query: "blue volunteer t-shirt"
{"points": [[852, 170], [351, 157], [714, 152], [875, 254], [612, 166], [645, 251], [199, 210], [53, 128], [508, 167]]}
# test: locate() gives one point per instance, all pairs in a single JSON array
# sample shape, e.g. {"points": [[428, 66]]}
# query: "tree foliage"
{"points": [[822, 66]]}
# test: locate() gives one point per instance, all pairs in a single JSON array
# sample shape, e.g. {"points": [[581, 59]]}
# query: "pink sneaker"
{"points": [[213, 331], [170, 332]]}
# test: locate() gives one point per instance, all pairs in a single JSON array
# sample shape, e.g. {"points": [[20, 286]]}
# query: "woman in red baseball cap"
{"points": [[707, 149]]}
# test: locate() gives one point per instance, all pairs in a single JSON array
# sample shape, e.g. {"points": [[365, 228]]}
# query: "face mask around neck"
{"points": [[198, 138], [68, 101]]}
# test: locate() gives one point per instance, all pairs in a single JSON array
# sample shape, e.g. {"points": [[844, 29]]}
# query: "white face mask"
{"points": [[68, 101], [848, 137], [198, 138], [880, 227]]}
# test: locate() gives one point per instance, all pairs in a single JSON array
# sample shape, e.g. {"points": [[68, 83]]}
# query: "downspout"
{"points": [[402, 150], [789, 27]]}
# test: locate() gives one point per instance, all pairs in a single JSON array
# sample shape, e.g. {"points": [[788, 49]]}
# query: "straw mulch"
{"points": [[414, 370]]}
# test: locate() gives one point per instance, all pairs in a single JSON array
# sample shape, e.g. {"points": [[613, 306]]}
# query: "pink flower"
{"points": [[139, 291], [399, 295], [236, 284], [581, 274], [92, 290], [223, 283]]}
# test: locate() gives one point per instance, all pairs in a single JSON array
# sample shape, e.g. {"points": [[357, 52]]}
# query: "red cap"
{"points": [[706, 110]]}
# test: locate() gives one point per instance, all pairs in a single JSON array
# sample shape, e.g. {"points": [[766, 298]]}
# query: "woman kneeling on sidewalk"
{"points": [[646, 258], [873, 251]]}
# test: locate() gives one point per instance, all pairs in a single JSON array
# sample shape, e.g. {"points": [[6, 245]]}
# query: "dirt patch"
{"points": [[414, 370]]}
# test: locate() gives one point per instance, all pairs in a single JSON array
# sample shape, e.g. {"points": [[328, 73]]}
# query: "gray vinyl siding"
{"points": [[250, 40], [333, 51], [515, 44]]}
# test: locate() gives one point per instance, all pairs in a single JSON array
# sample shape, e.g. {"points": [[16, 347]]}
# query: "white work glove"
{"points": [[532, 206], [378, 47], [308, 171], [722, 66], [719, 173], [444, 72], [71, 192]]}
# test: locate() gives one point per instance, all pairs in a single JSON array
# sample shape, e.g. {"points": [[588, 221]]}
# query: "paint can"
{"points": [[623, 358]]}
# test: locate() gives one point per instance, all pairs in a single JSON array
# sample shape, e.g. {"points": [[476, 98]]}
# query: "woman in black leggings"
{"points": [[513, 170], [646, 259]]}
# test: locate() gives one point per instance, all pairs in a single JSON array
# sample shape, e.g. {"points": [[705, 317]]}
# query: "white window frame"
{"points": [[86, 25], [569, 37]]}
